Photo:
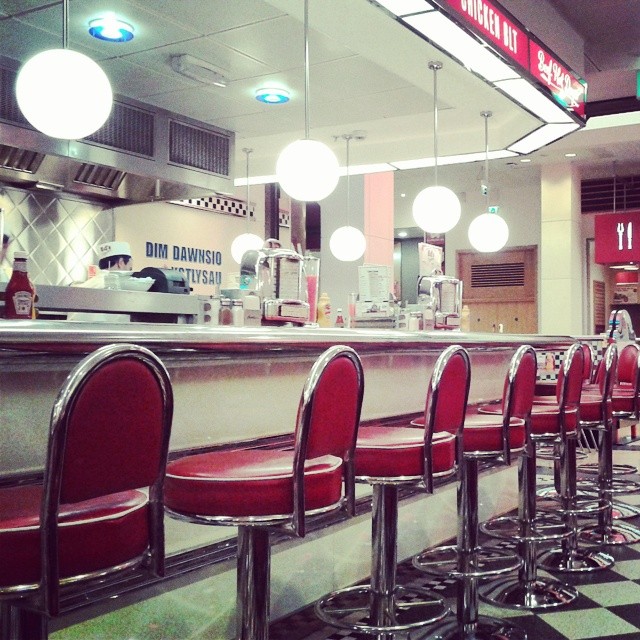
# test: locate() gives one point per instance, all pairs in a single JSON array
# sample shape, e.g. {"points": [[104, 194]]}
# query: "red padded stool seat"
{"points": [[388, 452], [482, 434], [94, 534], [249, 482]]}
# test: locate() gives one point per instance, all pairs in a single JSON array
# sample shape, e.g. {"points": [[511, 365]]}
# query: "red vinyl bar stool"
{"points": [[263, 490], [389, 458], [91, 518], [527, 590], [481, 438], [569, 557]]}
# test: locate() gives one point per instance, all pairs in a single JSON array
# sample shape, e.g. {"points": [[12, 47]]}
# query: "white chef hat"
{"points": [[109, 249]]}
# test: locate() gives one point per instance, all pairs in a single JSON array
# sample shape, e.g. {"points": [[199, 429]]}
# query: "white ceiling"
{"points": [[368, 73]]}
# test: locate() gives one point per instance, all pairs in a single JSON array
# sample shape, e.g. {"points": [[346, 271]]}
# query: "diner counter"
{"points": [[233, 384]]}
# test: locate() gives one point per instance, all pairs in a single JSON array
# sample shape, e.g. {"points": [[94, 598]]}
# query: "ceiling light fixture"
{"points": [[272, 95], [488, 232], [199, 70], [542, 136], [307, 169], [436, 209], [63, 93], [348, 243], [246, 241], [111, 29]]}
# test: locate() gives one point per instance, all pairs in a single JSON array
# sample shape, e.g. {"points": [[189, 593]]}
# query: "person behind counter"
{"points": [[115, 256], [5, 271]]}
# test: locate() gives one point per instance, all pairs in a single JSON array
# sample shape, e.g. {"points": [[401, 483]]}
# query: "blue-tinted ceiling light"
{"points": [[272, 95], [111, 29]]}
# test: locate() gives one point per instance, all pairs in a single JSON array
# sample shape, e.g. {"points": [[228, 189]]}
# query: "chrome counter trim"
{"points": [[60, 337]]}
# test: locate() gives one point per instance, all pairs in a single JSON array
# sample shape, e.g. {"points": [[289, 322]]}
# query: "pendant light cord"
{"points": [[435, 67], [247, 152], [486, 115], [65, 24], [306, 69]]}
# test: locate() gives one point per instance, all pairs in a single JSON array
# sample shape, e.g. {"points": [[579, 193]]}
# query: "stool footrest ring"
{"points": [[579, 561], [619, 532], [510, 528], [483, 563], [542, 593], [618, 486], [486, 628], [409, 608]]}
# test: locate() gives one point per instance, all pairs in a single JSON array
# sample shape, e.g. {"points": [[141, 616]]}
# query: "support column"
{"points": [[560, 260]]}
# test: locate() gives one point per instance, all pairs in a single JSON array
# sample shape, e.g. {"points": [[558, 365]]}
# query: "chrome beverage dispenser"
{"points": [[277, 276], [443, 294]]}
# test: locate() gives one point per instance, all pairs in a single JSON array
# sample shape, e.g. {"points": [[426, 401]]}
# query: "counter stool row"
{"points": [[91, 518]]}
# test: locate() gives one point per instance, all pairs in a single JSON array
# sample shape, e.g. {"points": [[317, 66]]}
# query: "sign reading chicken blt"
{"points": [[493, 24]]}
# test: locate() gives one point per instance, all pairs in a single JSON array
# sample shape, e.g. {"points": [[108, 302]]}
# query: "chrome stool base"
{"points": [[543, 593], [617, 533], [544, 529], [577, 562], [483, 563], [485, 628], [408, 608]]}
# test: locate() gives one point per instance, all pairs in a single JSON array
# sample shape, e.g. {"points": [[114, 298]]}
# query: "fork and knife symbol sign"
{"points": [[620, 229]]}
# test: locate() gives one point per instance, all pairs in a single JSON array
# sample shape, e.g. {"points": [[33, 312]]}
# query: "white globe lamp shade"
{"points": [[243, 243], [64, 94], [436, 209], [347, 244], [488, 233], [307, 170]]}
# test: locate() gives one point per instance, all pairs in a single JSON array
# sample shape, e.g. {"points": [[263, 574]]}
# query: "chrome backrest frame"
{"points": [[570, 370]]}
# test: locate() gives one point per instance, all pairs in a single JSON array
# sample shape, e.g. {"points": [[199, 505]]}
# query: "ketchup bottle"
{"points": [[20, 293]]}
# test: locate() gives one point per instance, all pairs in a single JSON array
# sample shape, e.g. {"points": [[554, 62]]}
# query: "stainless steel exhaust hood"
{"points": [[141, 154]]}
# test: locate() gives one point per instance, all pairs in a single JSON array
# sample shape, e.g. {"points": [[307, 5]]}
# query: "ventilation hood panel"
{"points": [[141, 154]]}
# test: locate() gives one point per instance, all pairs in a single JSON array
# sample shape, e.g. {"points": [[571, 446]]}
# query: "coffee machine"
{"points": [[443, 295], [277, 276]]}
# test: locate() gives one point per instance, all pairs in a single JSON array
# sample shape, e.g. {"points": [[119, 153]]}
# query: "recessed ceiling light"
{"points": [[570, 155], [403, 195], [111, 29], [402, 234], [525, 160], [272, 95]]}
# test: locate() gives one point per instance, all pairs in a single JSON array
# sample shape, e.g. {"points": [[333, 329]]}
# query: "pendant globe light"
{"points": [[307, 170], [488, 232], [436, 209], [63, 93], [246, 241], [348, 243]]}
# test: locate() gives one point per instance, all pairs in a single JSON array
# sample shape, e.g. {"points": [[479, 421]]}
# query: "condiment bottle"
{"points": [[237, 313], [226, 317], [339, 318], [20, 293], [324, 311]]}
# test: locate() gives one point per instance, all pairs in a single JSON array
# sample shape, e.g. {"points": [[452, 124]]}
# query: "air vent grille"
{"points": [[127, 129], [9, 109], [20, 159], [507, 274], [198, 148], [98, 176], [610, 194]]}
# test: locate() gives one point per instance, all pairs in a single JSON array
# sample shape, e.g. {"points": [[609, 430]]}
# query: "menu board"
{"points": [[373, 282]]}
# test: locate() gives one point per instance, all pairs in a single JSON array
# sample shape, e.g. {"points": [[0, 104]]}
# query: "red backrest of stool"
{"points": [[520, 383], [328, 420], [610, 366], [115, 431], [570, 381], [587, 367], [628, 364]]}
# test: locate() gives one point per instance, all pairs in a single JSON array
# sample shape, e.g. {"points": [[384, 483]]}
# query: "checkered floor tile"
{"points": [[608, 606]]}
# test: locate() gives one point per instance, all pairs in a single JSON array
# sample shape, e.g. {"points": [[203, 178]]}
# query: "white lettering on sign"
{"points": [[490, 20], [558, 80], [620, 230]]}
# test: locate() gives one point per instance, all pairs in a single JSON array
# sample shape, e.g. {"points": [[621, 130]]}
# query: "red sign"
{"points": [[493, 24], [617, 237], [568, 90]]}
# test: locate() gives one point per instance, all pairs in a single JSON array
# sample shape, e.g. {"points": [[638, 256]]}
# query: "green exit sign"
{"points": [[493, 209]]}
